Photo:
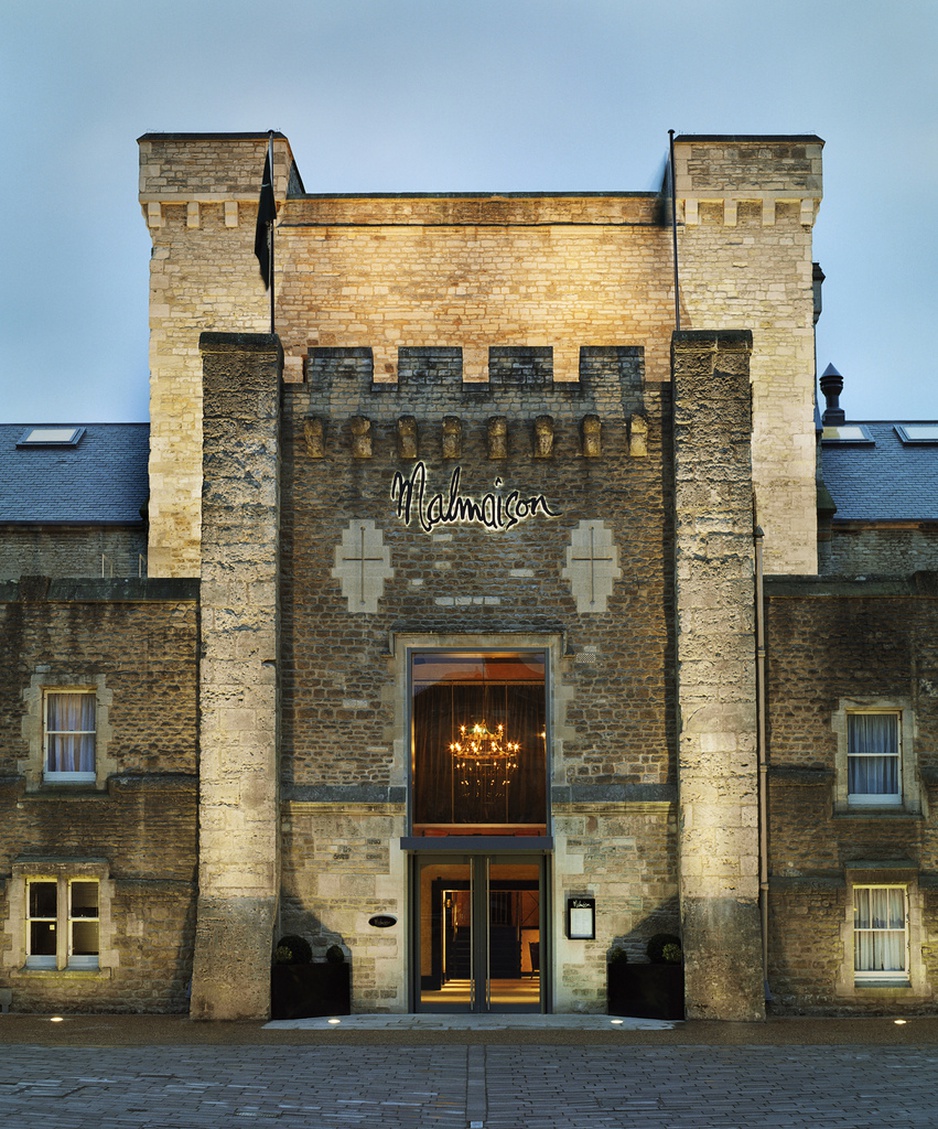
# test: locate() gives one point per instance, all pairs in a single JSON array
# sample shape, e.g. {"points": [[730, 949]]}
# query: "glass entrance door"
{"points": [[479, 927]]}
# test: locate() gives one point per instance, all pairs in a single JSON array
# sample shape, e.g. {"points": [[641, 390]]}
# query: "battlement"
{"points": [[773, 172], [195, 169], [475, 209], [608, 382], [501, 304]]}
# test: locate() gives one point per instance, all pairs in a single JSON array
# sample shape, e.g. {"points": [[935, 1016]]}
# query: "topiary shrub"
{"points": [[618, 956], [335, 955], [293, 949], [664, 948]]}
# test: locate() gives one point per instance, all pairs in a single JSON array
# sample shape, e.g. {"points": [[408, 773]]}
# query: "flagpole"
{"points": [[270, 229], [266, 222], [677, 292]]}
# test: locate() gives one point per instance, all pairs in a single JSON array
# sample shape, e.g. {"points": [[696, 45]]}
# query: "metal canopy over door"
{"points": [[479, 924]]}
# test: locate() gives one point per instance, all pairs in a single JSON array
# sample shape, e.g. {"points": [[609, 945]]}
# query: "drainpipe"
{"points": [[763, 762]]}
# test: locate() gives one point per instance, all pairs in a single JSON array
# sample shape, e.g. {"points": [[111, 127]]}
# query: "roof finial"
{"points": [[832, 384]]}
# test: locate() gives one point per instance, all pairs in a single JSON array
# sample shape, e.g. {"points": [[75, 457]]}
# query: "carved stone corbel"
{"points": [[361, 437]]}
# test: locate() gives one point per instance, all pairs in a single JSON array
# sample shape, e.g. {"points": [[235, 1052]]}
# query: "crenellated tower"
{"points": [[199, 196], [748, 206]]}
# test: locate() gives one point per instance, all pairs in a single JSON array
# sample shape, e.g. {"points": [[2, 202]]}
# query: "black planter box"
{"points": [[645, 991], [299, 991]]}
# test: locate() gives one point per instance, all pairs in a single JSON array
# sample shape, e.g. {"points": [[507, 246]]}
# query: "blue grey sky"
{"points": [[439, 95]]}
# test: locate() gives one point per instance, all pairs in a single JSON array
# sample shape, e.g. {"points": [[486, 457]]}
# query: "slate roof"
{"points": [[102, 480], [886, 480]]}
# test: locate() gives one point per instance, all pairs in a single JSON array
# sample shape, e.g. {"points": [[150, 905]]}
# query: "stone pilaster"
{"points": [[718, 772], [238, 800]]}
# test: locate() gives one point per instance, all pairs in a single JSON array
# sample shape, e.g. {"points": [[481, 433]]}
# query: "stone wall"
{"points": [[748, 205], [883, 551], [475, 272], [199, 198], [346, 624], [716, 676], [239, 871], [102, 552], [138, 829], [833, 641]]}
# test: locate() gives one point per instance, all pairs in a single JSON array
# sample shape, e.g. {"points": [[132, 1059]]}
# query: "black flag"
{"points": [[264, 232]]}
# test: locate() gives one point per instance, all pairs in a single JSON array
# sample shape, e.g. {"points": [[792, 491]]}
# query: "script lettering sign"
{"points": [[496, 509]]}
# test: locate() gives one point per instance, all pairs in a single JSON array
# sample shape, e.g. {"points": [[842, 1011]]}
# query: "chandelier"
{"points": [[483, 762]]}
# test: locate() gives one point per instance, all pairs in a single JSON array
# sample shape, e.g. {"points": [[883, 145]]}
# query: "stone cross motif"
{"points": [[592, 566], [362, 564]]}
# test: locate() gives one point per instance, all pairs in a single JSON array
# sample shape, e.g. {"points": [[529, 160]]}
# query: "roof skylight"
{"points": [[917, 432], [51, 437], [846, 433]]}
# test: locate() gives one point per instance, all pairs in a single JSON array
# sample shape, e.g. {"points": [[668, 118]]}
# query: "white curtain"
{"points": [[879, 931], [873, 754], [70, 730]]}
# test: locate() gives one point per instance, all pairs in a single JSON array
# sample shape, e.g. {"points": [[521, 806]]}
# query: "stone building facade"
{"points": [[483, 624], [99, 857]]}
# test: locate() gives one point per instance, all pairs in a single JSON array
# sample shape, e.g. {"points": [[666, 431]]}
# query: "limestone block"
{"points": [[475, 363], [592, 566]]}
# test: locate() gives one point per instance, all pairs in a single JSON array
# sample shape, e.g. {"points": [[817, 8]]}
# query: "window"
{"points": [[70, 735], [873, 758], [51, 437], [852, 433], [62, 920], [880, 933], [479, 742], [41, 923], [911, 433], [875, 771], [67, 730]]}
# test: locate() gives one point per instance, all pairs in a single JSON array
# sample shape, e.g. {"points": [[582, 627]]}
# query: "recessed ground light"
{"points": [[335, 1022], [56, 1019], [899, 1022], [615, 1022]]}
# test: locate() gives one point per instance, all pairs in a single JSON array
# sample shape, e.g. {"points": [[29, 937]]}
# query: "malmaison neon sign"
{"points": [[494, 510]]}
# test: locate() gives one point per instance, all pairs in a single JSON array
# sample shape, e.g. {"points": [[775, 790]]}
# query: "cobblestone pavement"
{"points": [[467, 1086]]}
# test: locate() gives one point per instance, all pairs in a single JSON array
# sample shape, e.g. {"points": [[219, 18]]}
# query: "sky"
{"points": [[440, 95]]}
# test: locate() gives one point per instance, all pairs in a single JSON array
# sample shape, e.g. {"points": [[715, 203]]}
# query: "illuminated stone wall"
{"points": [[873, 643], [136, 641], [716, 676], [478, 271], [199, 198], [345, 744], [748, 206], [238, 762], [523, 340]]}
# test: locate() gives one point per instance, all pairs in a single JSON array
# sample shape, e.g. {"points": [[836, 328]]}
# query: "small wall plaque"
{"points": [[382, 920], [581, 919]]}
